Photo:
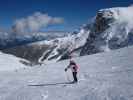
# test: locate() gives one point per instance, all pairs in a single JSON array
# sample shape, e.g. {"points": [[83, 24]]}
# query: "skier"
{"points": [[74, 68]]}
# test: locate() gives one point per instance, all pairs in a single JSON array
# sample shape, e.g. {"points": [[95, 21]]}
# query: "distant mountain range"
{"points": [[8, 40]]}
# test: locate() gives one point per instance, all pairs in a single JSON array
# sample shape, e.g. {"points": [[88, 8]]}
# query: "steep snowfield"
{"points": [[10, 62], [104, 76]]}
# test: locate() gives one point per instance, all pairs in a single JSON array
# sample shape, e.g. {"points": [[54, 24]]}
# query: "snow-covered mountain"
{"points": [[104, 76], [32, 51], [24, 46], [112, 29], [10, 62], [54, 45], [63, 48]]}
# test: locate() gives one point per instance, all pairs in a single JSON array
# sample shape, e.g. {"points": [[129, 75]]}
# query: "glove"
{"points": [[65, 69]]}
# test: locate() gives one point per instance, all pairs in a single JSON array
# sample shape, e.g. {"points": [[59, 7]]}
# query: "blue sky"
{"points": [[74, 12]]}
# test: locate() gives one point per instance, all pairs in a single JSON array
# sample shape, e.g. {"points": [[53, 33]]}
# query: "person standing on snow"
{"points": [[73, 66]]}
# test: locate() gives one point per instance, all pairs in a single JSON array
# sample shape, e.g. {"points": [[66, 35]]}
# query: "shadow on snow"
{"points": [[52, 84]]}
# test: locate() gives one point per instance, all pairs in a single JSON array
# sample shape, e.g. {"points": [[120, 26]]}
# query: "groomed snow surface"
{"points": [[104, 76]]}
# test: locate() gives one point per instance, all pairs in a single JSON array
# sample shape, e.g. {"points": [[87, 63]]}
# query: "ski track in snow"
{"points": [[104, 76]]}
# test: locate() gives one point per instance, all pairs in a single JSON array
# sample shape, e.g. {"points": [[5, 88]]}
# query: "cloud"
{"points": [[35, 22]]}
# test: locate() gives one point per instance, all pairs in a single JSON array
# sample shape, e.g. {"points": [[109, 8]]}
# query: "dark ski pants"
{"points": [[75, 76]]}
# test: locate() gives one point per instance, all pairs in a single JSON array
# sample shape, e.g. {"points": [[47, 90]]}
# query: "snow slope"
{"points": [[104, 76], [10, 62]]}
